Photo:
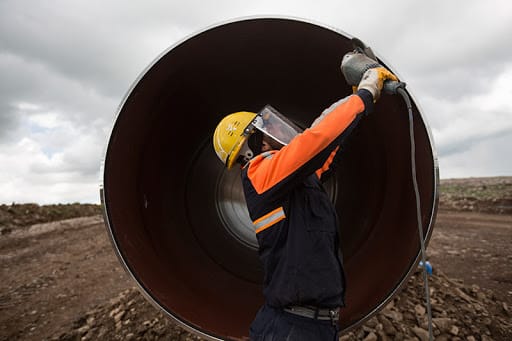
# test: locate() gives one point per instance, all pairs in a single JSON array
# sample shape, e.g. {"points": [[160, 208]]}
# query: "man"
{"points": [[294, 220]]}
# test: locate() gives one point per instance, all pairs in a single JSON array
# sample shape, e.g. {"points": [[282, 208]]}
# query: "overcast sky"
{"points": [[65, 66]]}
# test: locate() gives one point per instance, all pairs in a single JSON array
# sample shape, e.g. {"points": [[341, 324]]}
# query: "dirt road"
{"points": [[53, 274], [476, 248]]}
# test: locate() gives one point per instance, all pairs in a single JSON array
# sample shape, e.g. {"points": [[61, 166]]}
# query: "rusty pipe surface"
{"points": [[177, 218]]}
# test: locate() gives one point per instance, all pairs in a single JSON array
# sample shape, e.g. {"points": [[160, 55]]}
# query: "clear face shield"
{"points": [[271, 123]]}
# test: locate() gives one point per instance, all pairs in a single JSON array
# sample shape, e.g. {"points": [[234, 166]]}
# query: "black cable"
{"points": [[407, 100]]}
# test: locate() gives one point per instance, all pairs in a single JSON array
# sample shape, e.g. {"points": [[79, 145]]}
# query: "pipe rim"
{"points": [[104, 203]]}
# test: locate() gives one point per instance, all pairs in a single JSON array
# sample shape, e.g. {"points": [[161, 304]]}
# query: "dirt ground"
{"points": [[62, 281], [52, 272], [476, 248]]}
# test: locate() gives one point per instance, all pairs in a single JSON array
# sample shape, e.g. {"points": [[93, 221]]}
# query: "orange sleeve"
{"points": [[266, 172], [327, 163]]}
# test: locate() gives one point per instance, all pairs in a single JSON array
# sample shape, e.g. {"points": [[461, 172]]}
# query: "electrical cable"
{"points": [[407, 100]]}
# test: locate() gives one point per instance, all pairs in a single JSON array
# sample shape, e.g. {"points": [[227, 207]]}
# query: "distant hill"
{"points": [[485, 195], [16, 215]]}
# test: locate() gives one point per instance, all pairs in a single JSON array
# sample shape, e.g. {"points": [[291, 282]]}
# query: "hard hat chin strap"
{"points": [[245, 154]]}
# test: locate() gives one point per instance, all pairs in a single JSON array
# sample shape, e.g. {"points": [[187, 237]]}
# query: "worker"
{"points": [[296, 225]]}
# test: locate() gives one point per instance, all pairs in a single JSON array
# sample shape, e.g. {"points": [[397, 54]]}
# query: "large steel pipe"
{"points": [[178, 220]]}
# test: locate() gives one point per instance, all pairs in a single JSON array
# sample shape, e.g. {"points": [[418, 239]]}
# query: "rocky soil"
{"points": [[460, 312], [61, 279]]}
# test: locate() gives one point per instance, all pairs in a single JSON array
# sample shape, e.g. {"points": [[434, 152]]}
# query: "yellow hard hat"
{"points": [[231, 134]]}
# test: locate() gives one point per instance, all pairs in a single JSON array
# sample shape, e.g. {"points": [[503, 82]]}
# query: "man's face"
{"points": [[265, 146], [268, 143]]}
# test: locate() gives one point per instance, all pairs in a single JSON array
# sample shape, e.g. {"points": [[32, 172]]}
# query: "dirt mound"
{"points": [[19, 215], [459, 312], [128, 316], [484, 195]]}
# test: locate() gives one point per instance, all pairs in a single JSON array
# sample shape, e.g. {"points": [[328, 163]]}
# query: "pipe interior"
{"points": [[178, 220]]}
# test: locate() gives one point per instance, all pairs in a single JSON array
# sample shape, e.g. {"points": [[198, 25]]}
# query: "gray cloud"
{"points": [[480, 159], [9, 122], [463, 145], [66, 66], [104, 45]]}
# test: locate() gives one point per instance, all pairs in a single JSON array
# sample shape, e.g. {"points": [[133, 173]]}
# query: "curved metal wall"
{"points": [[177, 219]]}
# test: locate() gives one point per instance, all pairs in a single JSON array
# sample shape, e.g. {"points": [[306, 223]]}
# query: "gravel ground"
{"points": [[61, 280]]}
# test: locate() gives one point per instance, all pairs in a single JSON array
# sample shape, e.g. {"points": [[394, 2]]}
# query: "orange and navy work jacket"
{"points": [[294, 219]]}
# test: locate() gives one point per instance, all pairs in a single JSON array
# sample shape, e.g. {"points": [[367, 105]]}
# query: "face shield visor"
{"points": [[271, 123]]}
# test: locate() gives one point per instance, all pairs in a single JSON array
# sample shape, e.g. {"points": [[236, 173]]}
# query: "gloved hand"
{"points": [[373, 80]]}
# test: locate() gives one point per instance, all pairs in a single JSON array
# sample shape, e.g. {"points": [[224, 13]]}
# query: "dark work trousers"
{"points": [[271, 324]]}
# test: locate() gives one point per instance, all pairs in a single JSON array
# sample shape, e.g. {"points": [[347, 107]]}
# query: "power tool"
{"points": [[354, 65], [358, 61]]}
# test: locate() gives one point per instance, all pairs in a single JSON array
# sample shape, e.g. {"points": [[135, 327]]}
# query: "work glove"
{"points": [[373, 80]]}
